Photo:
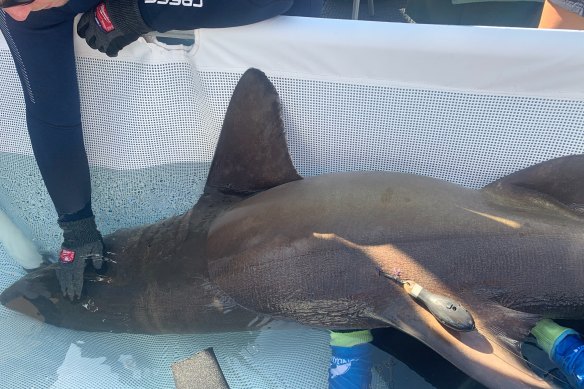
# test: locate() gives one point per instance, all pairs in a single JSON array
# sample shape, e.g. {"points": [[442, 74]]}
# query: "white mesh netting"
{"points": [[152, 118]]}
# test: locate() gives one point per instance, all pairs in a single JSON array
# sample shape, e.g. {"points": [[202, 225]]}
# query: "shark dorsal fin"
{"points": [[558, 183], [251, 153]]}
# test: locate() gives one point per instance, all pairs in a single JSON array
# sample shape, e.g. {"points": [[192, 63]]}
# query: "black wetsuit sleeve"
{"points": [[42, 49], [164, 15]]}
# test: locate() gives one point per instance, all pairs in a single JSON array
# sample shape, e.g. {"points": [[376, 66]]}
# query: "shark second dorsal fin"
{"points": [[557, 184], [251, 154]]}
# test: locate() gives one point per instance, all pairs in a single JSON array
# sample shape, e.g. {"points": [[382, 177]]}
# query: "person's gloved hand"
{"points": [[81, 241], [112, 25]]}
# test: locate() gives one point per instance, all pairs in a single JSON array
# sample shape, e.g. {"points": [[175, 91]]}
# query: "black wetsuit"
{"points": [[42, 48]]}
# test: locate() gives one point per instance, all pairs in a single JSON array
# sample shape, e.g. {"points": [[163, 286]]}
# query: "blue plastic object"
{"points": [[350, 367], [568, 354]]}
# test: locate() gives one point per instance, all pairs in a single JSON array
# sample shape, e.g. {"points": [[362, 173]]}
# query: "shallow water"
{"points": [[34, 355], [287, 356]]}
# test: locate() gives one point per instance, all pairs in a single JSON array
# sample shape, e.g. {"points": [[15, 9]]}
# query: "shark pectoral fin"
{"points": [[558, 183], [251, 153], [509, 326], [481, 353], [511, 329]]}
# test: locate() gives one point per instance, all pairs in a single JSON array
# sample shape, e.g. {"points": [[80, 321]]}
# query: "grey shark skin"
{"points": [[262, 244]]}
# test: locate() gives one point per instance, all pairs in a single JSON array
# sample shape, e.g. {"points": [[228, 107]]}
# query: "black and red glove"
{"points": [[112, 25], [81, 242]]}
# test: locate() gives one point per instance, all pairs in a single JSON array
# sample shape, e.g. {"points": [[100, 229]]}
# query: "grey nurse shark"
{"points": [[264, 244]]}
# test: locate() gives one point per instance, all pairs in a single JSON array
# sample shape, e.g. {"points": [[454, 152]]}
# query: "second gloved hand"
{"points": [[112, 25], [81, 242]]}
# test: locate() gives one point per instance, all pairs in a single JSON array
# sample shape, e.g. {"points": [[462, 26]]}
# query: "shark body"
{"points": [[262, 243]]}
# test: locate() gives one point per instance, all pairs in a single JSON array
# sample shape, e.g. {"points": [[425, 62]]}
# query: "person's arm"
{"points": [[114, 24], [563, 14], [42, 48]]}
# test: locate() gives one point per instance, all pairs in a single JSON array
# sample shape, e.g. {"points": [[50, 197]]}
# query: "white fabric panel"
{"points": [[529, 62], [155, 104], [525, 62], [12, 118]]}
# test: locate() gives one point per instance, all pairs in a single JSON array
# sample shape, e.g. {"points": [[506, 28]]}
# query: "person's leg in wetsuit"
{"points": [[42, 48]]}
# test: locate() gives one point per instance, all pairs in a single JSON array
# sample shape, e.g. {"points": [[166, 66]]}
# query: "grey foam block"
{"points": [[201, 371]]}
